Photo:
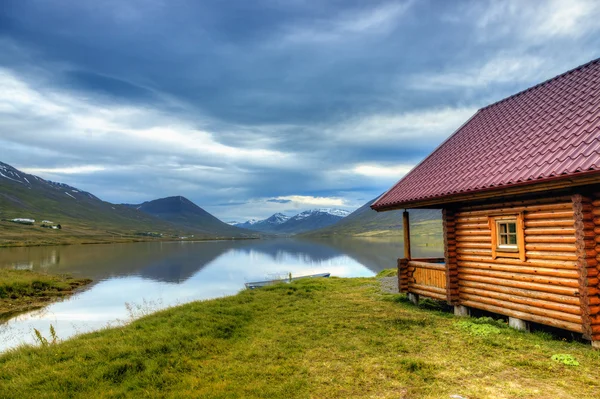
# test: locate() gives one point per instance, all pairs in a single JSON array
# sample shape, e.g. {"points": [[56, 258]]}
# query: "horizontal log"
{"points": [[424, 265], [550, 247], [487, 238], [569, 291], [597, 229], [469, 244], [558, 281], [550, 255], [564, 273], [538, 303], [429, 294], [474, 251], [563, 214], [577, 327], [550, 223], [550, 238], [557, 264], [422, 287], [472, 219], [596, 211], [498, 209], [547, 296], [533, 310], [483, 233], [596, 202], [473, 226], [539, 231]]}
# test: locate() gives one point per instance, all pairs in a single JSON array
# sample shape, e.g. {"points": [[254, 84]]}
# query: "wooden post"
{"points": [[406, 227]]}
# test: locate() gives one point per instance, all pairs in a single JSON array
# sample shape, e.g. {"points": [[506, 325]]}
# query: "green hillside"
{"points": [[83, 217], [365, 222]]}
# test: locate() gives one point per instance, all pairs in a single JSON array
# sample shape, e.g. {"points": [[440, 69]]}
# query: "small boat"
{"points": [[258, 284]]}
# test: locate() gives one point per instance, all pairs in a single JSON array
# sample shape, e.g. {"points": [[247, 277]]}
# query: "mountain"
{"points": [[183, 212], [83, 216], [302, 222], [268, 225], [366, 222]]}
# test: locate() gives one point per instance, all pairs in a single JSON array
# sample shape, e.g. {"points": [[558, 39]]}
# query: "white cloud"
{"points": [[403, 128], [500, 69], [301, 200], [382, 171], [377, 20], [62, 120], [71, 170]]}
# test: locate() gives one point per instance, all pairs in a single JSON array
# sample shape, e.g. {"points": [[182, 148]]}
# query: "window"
{"points": [[507, 234], [508, 239]]}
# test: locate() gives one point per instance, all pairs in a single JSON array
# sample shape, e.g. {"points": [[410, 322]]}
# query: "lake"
{"points": [[131, 280]]}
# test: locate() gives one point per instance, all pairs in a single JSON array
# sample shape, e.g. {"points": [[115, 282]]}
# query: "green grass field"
{"points": [[322, 338], [23, 290]]}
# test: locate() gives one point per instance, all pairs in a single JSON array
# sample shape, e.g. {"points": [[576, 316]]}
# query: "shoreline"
{"points": [[126, 241]]}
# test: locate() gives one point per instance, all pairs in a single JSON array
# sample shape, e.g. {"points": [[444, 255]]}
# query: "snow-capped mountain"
{"points": [[266, 225], [322, 211], [304, 221], [11, 174]]}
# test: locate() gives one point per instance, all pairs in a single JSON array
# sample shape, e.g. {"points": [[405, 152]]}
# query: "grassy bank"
{"points": [[17, 235], [23, 290], [325, 338]]}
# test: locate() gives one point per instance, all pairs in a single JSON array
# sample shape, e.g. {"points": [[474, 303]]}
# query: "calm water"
{"points": [[131, 280]]}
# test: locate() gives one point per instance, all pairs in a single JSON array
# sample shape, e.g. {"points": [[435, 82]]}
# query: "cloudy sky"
{"points": [[255, 107]]}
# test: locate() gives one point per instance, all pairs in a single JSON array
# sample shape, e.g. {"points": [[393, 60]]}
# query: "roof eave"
{"points": [[535, 186]]}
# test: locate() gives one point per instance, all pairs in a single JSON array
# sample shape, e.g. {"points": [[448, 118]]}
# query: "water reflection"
{"points": [[135, 279]]}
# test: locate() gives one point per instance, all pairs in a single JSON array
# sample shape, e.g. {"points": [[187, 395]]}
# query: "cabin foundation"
{"points": [[414, 298], [596, 345], [461, 311], [518, 324]]}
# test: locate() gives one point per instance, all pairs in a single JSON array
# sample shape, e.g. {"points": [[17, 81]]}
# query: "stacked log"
{"points": [[594, 292], [545, 287], [403, 275], [448, 218]]}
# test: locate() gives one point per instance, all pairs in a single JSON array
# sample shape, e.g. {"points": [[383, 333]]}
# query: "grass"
{"points": [[23, 290], [314, 338]]}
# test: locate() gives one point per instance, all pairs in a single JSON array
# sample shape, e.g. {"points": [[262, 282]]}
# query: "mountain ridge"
{"points": [[84, 217], [279, 223]]}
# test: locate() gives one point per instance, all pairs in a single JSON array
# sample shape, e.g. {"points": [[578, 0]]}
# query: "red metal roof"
{"points": [[547, 131]]}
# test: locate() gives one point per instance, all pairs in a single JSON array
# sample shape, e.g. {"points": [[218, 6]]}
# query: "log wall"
{"points": [[547, 287], [594, 272]]}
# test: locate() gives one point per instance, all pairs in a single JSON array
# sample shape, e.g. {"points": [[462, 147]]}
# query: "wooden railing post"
{"points": [[406, 228]]}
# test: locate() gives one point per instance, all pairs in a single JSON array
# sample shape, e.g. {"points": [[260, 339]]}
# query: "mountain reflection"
{"points": [[176, 262]]}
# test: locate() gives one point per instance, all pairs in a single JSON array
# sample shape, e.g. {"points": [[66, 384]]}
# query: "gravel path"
{"points": [[389, 284]]}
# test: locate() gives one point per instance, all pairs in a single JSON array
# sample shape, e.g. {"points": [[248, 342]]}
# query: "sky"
{"points": [[249, 108]]}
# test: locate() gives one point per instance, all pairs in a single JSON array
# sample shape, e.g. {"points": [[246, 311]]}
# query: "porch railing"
{"points": [[426, 277]]}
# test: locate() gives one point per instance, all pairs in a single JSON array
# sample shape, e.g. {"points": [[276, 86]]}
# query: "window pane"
{"points": [[512, 239], [503, 239], [502, 228], [512, 227]]}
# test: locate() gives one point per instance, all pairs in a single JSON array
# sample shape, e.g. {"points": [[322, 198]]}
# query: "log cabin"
{"points": [[519, 189]]}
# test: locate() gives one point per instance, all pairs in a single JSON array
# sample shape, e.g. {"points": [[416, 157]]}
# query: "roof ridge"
{"points": [[542, 83]]}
